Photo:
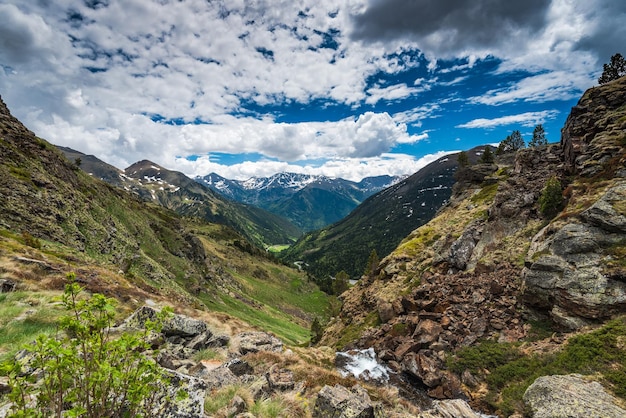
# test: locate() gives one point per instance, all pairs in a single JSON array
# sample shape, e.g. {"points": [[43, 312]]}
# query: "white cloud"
{"points": [[527, 119], [94, 78], [354, 169]]}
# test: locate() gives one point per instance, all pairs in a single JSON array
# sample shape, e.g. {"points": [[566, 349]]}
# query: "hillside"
{"points": [[310, 202], [186, 197], [55, 218], [379, 223], [495, 291]]}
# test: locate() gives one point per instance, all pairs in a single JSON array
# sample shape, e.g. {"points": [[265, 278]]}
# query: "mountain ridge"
{"points": [[379, 223], [309, 201], [176, 191]]}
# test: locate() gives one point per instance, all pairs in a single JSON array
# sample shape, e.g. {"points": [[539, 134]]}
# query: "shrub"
{"points": [[551, 200], [30, 240], [82, 370]]}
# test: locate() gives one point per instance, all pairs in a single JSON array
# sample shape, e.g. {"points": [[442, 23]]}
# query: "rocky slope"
{"points": [[489, 262]]}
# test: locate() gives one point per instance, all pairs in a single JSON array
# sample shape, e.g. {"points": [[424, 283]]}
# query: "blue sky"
{"points": [[346, 89]]}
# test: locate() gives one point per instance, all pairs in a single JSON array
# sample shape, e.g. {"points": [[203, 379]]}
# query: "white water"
{"points": [[362, 364]]}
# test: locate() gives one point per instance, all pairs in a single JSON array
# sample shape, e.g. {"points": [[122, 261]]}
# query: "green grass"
{"points": [[486, 194], [268, 408], [266, 318], [220, 399], [24, 316], [601, 352]]}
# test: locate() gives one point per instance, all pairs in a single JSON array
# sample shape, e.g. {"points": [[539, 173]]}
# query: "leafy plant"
{"points": [[83, 370]]}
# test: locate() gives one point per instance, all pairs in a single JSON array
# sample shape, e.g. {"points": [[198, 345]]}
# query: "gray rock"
{"points": [[239, 367], [176, 325], [214, 378], [570, 396], [462, 249], [450, 408], [339, 402], [566, 274], [604, 213], [189, 406], [259, 389], [7, 286], [253, 342]]}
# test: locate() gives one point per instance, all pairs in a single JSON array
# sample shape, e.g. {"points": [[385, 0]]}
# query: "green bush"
{"points": [[551, 200], [84, 371]]}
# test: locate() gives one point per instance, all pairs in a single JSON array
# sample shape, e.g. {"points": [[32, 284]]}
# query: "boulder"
{"points": [[450, 408], [189, 406], [237, 406], [427, 332], [214, 378], [570, 396], [568, 273], [253, 342], [175, 325], [7, 286], [239, 367], [425, 366], [339, 402], [462, 249], [280, 380]]}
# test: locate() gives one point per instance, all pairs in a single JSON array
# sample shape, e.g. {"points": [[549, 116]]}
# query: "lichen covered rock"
{"points": [[570, 396]]}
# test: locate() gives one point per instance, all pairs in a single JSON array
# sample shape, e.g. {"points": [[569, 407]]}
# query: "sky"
{"points": [[349, 89]]}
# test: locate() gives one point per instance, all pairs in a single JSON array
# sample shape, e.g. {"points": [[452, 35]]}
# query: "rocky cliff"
{"points": [[490, 262]]}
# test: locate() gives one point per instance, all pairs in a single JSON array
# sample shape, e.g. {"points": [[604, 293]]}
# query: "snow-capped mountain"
{"points": [[309, 201]]}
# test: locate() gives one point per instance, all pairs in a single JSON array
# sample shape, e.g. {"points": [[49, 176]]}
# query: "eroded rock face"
{"points": [[590, 138], [568, 275], [570, 396]]}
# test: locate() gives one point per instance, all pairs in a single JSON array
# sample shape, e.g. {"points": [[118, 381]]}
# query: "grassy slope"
{"points": [[129, 249]]}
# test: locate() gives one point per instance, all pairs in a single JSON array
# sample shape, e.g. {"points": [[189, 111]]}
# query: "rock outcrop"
{"points": [[573, 271], [594, 133], [570, 396]]}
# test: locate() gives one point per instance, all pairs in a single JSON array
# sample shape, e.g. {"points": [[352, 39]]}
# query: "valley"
{"points": [[489, 291]]}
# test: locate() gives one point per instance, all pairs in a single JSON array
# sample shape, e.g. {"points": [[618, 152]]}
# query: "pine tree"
{"points": [[487, 157], [341, 283], [614, 69], [539, 137], [551, 200], [512, 143], [372, 264], [316, 330], [463, 159]]}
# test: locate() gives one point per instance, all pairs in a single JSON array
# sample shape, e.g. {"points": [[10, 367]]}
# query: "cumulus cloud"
{"points": [[527, 119]]}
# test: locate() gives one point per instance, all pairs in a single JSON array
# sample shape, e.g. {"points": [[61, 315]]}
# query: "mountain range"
{"points": [[379, 223], [308, 201], [177, 192]]}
